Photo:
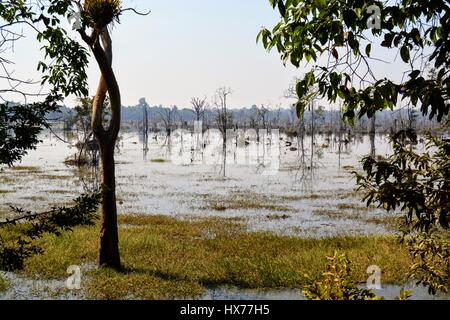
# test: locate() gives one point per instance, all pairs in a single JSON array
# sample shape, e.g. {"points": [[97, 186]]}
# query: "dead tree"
{"points": [[199, 105], [144, 105], [263, 114], [168, 118], [224, 118]]}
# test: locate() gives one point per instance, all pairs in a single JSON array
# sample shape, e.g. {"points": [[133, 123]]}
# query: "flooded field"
{"points": [[271, 185]]}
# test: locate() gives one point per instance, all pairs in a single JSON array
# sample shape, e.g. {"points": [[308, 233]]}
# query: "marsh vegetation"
{"points": [[275, 228]]}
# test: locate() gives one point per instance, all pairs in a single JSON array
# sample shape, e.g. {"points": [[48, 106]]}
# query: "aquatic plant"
{"points": [[336, 283], [99, 13]]}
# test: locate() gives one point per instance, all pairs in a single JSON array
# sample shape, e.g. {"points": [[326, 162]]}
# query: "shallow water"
{"points": [[285, 196], [389, 292], [294, 199], [22, 288]]}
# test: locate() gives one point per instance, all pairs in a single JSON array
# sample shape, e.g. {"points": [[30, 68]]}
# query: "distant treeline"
{"points": [[325, 119]]}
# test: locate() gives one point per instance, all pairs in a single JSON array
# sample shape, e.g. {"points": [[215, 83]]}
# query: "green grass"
{"points": [[336, 194], [353, 212], [312, 196], [26, 169], [245, 201], [60, 191], [3, 284], [35, 198], [6, 191], [352, 206], [159, 160], [54, 177], [7, 179], [166, 258]]}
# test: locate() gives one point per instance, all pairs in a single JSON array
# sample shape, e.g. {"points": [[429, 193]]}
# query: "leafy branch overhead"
{"points": [[20, 126], [412, 182], [18, 235], [336, 37], [64, 69]]}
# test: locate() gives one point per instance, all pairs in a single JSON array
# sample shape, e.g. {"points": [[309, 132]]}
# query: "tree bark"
{"points": [[109, 239], [101, 45]]}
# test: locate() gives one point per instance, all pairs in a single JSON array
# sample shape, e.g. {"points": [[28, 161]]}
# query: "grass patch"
{"points": [[7, 179], [336, 194], [312, 196], [6, 191], [55, 177], [330, 213], [26, 168], [35, 198], [240, 200], [245, 204], [167, 258], [390, 222], [3, 284], [60, 191], [352, 206], [159, 160]]}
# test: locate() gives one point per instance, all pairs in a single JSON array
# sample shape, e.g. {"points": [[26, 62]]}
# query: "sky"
{"points": [[184, 49]]}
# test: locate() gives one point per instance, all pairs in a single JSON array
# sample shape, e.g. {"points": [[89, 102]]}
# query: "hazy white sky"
{"points": [[184, 49], [188, 48]]}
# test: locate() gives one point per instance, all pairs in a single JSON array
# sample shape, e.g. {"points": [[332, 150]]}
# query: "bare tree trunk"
{"points": [[106, 138], [225, 124], [312, 135], [109, 239]]}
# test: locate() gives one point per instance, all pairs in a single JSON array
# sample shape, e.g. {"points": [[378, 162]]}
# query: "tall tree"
{"points": [[21, 122], [66, 75], [97, 15]]}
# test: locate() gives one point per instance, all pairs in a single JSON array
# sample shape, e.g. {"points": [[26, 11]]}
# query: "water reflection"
{"points": [[179, 175]]}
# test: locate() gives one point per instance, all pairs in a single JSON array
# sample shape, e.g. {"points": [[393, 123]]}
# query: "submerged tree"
{"points": [[199, 105], [224, 119], [168, 117]]}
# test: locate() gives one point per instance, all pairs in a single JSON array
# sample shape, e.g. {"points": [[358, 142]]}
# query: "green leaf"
{"points": [[300, 106], [282, 8], [300, 89], [404, 53], [414, 74], [368, 49], [309, 79]]}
